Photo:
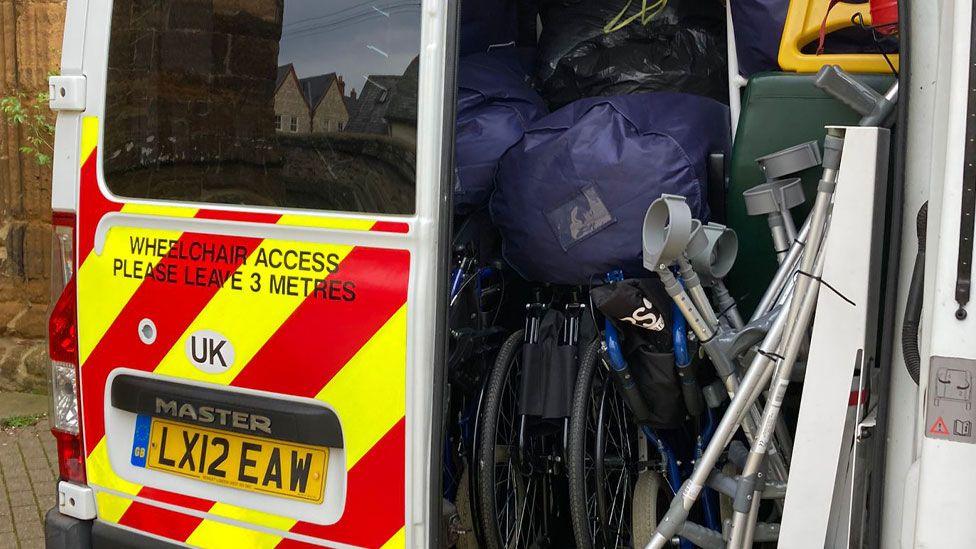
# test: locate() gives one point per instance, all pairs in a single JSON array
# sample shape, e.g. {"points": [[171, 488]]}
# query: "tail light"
{"points": [[65, 414]]}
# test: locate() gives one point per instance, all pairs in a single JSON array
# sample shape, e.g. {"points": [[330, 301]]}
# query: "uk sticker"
{"points": [[949, 410]]}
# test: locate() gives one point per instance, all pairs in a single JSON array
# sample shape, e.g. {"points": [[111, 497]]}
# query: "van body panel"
{"points": [[341, 342], [324, 308]]}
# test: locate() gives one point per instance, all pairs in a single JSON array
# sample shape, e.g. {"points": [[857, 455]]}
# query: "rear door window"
{"points": [[273, 103]]}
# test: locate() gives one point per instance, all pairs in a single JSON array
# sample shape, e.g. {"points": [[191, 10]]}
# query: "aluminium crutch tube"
{"points": [[800, 318]]}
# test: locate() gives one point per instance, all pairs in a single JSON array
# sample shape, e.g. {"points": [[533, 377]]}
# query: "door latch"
{"points": [[66, 93]]}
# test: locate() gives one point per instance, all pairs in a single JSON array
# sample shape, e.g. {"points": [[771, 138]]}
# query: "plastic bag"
{"points": [[485, 24], [594, 48]]}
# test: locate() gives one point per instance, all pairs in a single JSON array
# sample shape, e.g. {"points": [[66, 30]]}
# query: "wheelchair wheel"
{"points": [[604, 462], [514, 486]]}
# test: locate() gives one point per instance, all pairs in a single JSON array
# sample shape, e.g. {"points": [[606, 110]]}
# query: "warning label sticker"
{"points": [[949, 411], [274, 267]]}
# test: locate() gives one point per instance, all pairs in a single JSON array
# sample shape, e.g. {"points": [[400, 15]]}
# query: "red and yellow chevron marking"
{"points": [[348, 353]]}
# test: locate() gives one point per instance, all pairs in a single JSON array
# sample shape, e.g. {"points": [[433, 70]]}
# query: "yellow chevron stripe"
{"points": [[212, 533], [89, 137], [101, 294], [110, 507], [321, 222], [247, 318], [100, 472], [369, 392], [159, 209], [398, 540]]}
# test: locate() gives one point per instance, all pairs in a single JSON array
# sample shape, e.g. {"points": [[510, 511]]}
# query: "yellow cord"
{"points": [[645, 14]]}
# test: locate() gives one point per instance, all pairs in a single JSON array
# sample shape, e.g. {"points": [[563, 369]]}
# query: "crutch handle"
{"points": [[840, 85], [875, 109]]}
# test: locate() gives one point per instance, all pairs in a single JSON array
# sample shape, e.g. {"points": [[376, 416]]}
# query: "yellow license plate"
{"points": [[239, 461]]}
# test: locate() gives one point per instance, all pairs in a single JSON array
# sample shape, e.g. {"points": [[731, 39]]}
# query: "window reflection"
{"points": [[294, 103]]}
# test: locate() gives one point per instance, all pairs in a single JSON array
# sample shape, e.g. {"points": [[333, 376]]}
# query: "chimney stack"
{"points": [[342, 85], [352, 94]]}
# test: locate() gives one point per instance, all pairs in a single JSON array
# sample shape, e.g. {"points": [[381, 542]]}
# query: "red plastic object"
{"points": [[884, 16]]}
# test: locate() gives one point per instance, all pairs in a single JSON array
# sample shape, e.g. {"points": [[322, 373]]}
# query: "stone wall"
{"points": [[290, 103], [30, 42], [331, 112]]}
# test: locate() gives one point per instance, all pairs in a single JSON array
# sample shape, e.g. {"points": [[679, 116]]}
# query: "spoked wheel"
{"points": [[515, 482], [604, 462]]}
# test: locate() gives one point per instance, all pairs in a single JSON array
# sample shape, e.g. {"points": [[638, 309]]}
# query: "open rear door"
{"points": [[257, 189]]}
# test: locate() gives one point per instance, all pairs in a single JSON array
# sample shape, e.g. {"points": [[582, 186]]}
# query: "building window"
{"points": [[278, 125], [341, 126], [294, 124]]}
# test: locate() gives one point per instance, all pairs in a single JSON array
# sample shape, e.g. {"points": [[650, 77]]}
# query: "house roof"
{"points": [[403, 99], [351, 104], [314, 87], [372, 104], [283, 73]]}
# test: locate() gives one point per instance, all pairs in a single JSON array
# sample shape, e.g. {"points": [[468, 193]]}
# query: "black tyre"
{"points": [[515, 494], [603, 459]]}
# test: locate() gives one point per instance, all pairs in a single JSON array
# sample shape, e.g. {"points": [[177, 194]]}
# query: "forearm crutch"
{"points": [[760, 371], [667, 233]]}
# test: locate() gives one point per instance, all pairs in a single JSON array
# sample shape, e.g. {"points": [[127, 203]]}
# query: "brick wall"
{"points": [[30, 40]]}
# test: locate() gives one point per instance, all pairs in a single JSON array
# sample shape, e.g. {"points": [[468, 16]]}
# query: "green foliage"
{"points": [[32, 115], [17, 422]]}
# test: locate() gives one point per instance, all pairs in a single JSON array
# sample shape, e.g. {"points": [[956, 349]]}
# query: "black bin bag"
{"points": [[640, 309], [588, 48]]}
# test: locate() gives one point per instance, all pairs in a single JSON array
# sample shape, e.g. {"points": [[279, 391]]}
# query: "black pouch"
{"points": [[640, 309], [548, 372], [659, 383]]}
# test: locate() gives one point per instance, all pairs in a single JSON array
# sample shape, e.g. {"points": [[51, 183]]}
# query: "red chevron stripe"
{"points": [[161, 522], [171, 306], [317, 340], [92, 204], [391, 227], [173, 498], [374, 498]]}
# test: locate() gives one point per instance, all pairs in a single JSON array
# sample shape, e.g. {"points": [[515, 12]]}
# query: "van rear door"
{"points": [[257, 202]]}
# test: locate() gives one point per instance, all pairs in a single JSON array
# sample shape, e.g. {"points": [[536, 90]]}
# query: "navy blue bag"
{"points": [[758, 30], [496, 102], [571, 195]]}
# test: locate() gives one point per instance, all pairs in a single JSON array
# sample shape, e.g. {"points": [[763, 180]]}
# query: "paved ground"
{"points": [[21, 404], [28, 469]]}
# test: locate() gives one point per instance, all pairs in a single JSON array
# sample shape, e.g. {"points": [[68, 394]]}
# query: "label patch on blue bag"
{"points": [[140, 440], [582, 216]]}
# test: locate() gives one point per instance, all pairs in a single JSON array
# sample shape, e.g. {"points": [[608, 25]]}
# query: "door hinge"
{"points": [[66, 93]]}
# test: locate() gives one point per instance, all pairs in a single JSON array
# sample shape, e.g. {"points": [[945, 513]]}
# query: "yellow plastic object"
{"points": [[803, 21]]}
